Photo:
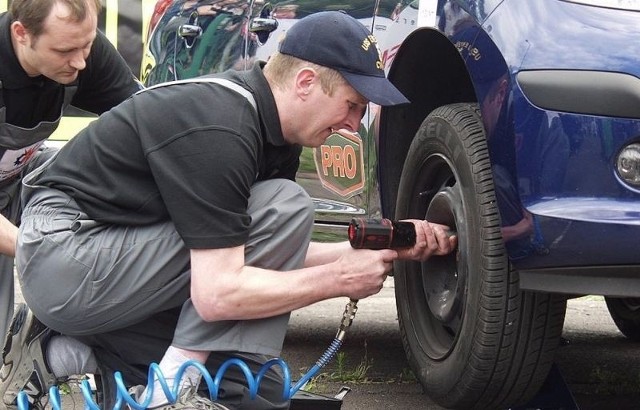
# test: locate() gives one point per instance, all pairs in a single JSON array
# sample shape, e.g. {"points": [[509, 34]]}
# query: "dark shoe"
{"points": [[23, 364]]}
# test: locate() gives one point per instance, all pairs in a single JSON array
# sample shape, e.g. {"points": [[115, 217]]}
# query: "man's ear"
{"points": [[306, 79], [19, 32]]}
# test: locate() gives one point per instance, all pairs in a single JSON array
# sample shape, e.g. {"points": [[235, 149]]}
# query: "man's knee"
{"points": [[282, 198], [297, 203]]}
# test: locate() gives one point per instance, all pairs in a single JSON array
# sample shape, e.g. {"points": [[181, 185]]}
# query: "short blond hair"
{"points": [[282, 67]]}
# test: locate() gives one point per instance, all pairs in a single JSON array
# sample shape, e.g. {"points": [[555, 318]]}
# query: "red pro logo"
{"points": [[340, 163]]}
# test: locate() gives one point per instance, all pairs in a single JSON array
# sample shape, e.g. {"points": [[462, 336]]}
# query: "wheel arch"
{"points": [[430, 72]]}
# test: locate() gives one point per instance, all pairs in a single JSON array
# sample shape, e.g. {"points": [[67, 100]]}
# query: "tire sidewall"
{"points": [[438, 136]]}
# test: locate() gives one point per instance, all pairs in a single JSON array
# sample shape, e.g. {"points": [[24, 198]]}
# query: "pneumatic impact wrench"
{"points": [[374, 234], [381, 234], [365, 234]]}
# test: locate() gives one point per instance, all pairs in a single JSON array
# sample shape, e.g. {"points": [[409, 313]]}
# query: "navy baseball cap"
{"points": [[336, 40]]}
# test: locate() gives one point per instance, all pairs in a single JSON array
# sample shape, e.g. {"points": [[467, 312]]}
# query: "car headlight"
{"points": [[628, 165]]}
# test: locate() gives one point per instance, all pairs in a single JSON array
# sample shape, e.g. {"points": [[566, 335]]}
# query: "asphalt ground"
{"points": [[600, 366]]}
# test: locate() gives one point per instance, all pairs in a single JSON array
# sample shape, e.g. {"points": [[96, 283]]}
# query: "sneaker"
{"points": [[189, 399], [23, 364]]}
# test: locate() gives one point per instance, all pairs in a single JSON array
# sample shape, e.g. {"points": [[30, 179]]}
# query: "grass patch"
{"points": [[344, 374]]}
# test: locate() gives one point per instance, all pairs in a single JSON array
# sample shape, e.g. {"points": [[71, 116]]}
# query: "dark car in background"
{"points": [[523, 134]]}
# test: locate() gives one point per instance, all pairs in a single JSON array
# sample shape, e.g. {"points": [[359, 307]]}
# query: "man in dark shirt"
{"points": [[190, 203], [51, 56]]}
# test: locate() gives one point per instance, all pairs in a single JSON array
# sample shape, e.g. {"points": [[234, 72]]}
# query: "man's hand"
{"points": [[431, 239], [363, 271]]}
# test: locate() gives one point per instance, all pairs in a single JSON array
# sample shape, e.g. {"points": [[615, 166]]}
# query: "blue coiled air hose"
{"points": [[213, 384]]}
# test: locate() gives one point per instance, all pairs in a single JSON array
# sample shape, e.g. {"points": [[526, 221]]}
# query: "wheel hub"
{"points": [[442, 286]]}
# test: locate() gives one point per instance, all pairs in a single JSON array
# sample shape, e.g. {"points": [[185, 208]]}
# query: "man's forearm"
{"points": [[320, 253], [8, 237]]}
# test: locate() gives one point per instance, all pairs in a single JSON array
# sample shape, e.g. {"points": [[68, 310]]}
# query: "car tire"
{"points": [[625, 313], [472, 338]]}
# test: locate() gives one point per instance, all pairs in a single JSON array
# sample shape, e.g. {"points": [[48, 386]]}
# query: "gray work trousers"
{"points": [[82, 277], [86, 279], [10, 207]]}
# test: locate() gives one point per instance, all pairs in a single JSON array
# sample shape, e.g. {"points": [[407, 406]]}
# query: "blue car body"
{"points": [[575, 105]]}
